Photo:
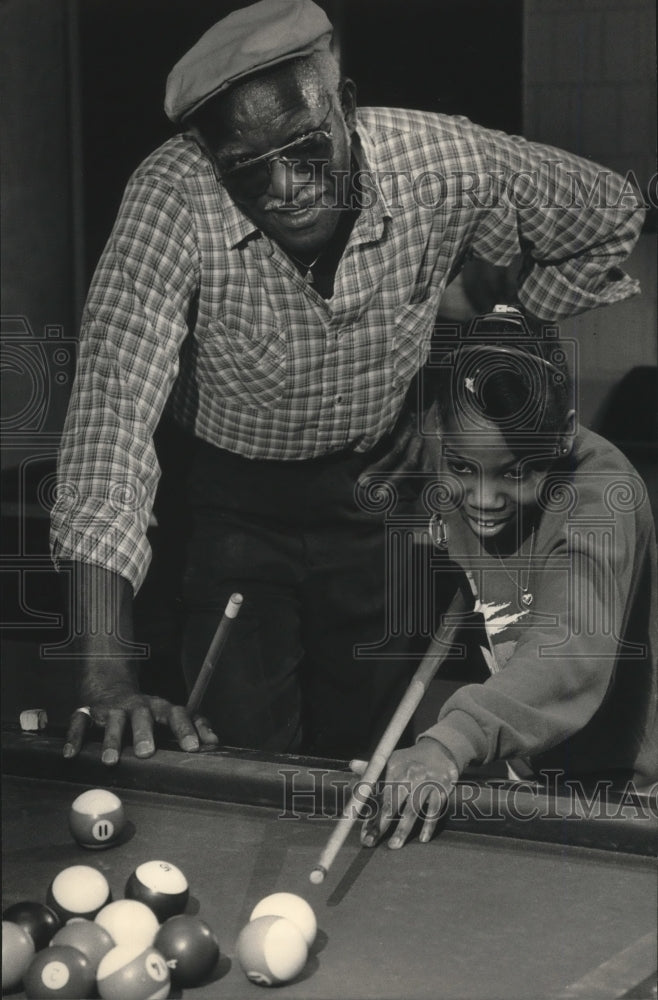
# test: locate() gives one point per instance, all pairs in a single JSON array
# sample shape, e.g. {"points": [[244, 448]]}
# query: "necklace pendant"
{"points": [[309, 277], [526, 599]]}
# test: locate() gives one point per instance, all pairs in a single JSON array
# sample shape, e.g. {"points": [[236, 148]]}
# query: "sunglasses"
{"points": [[251, 178]]}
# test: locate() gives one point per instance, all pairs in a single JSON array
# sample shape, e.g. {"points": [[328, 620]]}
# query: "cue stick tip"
{"points": [[318, 875], [233, 606]]}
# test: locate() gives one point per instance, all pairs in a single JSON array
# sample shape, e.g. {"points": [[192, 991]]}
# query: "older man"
{"points": [[273, 278]]}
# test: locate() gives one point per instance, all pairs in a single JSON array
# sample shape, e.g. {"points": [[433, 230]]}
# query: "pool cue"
{"points": [[434, 657], [231, 612]]}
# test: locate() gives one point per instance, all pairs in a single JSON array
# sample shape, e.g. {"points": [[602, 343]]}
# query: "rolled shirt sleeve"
{"points": [[134, 323], [573, 222]]}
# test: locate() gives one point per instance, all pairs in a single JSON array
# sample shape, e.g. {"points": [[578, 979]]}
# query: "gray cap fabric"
{"points": [[247, 40]]}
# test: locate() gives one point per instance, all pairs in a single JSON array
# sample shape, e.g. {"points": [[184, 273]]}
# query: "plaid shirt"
{"points": [[190, 303]]}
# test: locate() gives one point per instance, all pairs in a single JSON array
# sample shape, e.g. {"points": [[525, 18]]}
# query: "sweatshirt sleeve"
{"points": [[560, 670]]}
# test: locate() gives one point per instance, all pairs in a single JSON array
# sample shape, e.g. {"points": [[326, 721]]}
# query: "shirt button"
{"points": [[338, 398]]}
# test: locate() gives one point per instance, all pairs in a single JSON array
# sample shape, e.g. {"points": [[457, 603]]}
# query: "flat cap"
{"points": [[249, 39]]}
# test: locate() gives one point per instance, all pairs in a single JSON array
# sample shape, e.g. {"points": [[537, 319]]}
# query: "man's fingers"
{"points": [[141, 722], [183, 729], [206, 734], [75, 735], [114, 728]]}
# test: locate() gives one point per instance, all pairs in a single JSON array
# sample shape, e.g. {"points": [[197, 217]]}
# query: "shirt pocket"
{"points": [[251, 371], [412, 332]]}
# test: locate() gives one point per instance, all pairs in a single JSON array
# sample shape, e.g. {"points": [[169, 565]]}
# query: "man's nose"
{"points": [[281, 180], [287, 179]]}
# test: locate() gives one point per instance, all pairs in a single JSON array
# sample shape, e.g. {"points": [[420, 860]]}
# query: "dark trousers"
{"points": [[312, 567]]}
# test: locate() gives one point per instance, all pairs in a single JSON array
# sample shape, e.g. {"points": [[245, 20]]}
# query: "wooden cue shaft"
{"points": [[439, 647], [231, 612]]}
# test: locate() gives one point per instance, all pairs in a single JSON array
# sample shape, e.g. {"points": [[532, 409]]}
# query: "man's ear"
{"points": [[568, 433], [348, 102], [195, 133]]}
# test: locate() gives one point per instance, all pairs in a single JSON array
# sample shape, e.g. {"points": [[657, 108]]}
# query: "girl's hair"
{"points": [[521, 385]]}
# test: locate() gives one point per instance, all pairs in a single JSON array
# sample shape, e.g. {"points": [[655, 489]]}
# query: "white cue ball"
{"points": [[129, 922], [293, 908], [271, 950]]}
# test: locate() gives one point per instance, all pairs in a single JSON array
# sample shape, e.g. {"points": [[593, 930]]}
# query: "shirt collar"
{"points": [[365, 154], [238, 227]]}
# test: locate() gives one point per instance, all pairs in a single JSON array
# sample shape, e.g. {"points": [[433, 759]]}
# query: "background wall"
{"points": [[39, 214], [590, 87]]}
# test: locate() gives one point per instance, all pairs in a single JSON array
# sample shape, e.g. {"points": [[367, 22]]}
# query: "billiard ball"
{"points": [[293, 908], [38, 920], [132, 972], [161, 886], [59, 972], [130, 922], [78, 891], [271, 950], [190, 949], [88, 937], [97, 818], [17, 953]]}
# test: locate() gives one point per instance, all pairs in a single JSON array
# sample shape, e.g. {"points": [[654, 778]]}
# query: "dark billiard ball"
{"points": [[78, 891], [60, 971], [190, 949], [17, 953], [97, 818], [38, 920], [88, 937], [132, 972], [161, 886]]}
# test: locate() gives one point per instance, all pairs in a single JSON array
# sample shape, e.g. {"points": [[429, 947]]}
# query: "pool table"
{"points": [[521, 894]]}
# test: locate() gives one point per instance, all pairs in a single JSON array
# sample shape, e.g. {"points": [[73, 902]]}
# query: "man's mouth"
{"points": [[296, 216]]}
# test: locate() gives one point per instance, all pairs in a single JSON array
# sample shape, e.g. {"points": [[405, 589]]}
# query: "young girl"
{"points": [[554, 531]]}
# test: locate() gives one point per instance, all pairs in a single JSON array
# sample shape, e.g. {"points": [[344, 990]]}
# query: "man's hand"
{"points": [[116, 709], [417, 785], [108, 687]]}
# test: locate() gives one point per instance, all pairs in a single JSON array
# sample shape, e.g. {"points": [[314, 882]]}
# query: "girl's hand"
{"points": [[417, 785]]}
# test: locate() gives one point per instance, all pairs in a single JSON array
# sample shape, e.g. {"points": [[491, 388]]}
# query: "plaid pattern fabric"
{"points": [[190, 303]]}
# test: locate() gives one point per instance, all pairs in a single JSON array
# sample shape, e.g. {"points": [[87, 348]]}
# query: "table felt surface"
{"points": [[466, 916]]}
